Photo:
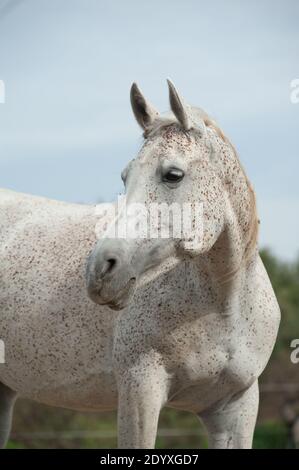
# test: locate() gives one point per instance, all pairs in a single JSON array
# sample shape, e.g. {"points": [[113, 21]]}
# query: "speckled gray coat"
{"points": [[191, 329]]}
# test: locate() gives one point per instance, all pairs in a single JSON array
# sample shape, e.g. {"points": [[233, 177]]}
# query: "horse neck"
{"points": [[236, 248]]}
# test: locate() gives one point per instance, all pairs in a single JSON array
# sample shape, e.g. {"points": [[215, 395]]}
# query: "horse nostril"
{"points": [[112, 264], [108, 267]]}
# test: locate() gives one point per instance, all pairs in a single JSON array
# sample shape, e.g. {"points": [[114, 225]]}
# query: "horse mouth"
{"points": [[116, 306], [120, 300]]}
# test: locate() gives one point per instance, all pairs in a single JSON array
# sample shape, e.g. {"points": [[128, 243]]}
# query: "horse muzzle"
{"points": [[110, 279]]}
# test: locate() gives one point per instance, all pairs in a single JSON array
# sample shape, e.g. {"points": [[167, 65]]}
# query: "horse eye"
{"points": [[173, 175]]}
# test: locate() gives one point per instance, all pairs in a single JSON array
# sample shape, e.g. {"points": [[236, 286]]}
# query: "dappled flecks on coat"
{"points": [[196, 330]]}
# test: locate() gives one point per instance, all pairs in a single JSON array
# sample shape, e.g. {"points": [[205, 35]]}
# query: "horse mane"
{"points": [[252, 231], [253, 228]]}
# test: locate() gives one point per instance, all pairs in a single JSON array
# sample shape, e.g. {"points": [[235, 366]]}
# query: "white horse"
{"points": [[199, 317]]}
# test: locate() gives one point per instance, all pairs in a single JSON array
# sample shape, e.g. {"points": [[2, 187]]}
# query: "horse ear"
{"points": [[144, 112], [178, 107]]}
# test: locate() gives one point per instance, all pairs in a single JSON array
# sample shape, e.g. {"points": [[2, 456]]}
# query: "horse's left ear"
{"points": [[178, 107], [144, 112]]}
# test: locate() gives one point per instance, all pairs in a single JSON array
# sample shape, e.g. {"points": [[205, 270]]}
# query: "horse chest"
{"points": [[207, 361], [204, 376]]}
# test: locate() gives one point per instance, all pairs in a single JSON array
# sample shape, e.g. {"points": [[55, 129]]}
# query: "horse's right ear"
{"points": [[144, 112]]}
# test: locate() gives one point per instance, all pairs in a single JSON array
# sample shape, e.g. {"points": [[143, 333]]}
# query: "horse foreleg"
{"points": [[231, 425], [7, 401], [141, 397]]}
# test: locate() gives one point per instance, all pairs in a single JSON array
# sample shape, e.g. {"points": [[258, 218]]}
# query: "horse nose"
{"points": [[109, 257], [110, 276]]}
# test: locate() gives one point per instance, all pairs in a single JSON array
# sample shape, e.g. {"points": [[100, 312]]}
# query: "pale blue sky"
{"points": [[66, 129]]}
